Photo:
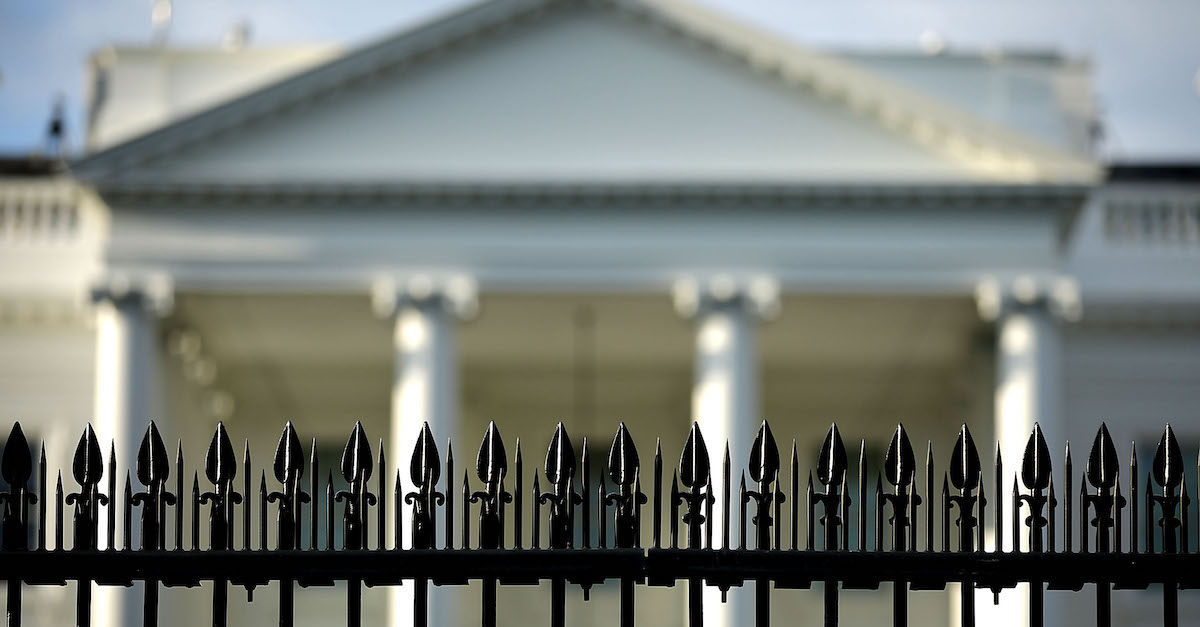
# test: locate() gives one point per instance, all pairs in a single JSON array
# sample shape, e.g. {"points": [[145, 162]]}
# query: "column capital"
{"points": [[1057, 295], [756, 294], [456, 294], [155, 291]]}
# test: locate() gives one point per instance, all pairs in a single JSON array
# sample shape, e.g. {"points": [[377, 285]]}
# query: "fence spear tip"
{"points": [[17, 466], [764, 455]]}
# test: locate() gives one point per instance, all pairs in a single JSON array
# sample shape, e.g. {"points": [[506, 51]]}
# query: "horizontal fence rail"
{"points": [[1099, 531]]}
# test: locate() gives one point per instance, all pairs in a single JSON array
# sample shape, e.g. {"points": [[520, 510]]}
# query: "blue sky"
{"points": [[1146, 54]]}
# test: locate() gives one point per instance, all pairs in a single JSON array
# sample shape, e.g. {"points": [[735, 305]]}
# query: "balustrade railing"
{"points": [[1105, 554]]}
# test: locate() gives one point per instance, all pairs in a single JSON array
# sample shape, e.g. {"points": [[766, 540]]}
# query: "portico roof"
{"points": [[981, 151]]}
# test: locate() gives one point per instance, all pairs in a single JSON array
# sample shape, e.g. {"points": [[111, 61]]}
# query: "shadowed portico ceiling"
{"points": [[899, 124], [855, 357]]}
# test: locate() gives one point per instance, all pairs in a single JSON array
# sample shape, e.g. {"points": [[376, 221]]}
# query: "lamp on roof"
{"points": [[160, 20]]}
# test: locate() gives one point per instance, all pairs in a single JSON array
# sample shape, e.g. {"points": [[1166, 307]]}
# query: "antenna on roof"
{"points": [[237, 37], [56, 130]]}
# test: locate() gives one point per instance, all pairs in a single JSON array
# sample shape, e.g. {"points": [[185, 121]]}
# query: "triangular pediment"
{"points": [[566, 91]]}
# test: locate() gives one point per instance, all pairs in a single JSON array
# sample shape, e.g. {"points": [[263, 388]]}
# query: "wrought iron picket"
{"points": [[1106, 554]]}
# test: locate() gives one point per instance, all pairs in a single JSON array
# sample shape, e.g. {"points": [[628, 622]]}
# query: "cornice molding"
{"points": [[758, 195]]}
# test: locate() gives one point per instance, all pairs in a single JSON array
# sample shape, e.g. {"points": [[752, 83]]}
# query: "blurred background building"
{"points": [[529, 211]]}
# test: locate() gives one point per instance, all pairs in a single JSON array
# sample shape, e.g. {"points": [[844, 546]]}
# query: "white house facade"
{"points": [[534, 210]]}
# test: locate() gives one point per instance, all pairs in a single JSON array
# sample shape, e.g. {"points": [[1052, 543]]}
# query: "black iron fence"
{"points": [[1103, 553]]}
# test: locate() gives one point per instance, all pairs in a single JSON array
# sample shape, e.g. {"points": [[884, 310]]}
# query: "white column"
{"points": [[725, 396], [1027, 312], [424, 390], [127, 396]]}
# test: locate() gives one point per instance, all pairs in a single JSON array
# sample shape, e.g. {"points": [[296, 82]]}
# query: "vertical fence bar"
{"points": [[314, 488], [87, 468], [764, 468], [1053, 505], [831, 473], [519, 497], [998, 524], [357, 466], [586, 502], [398, 507], [794, 486], [560, 473], [862, 495], [694, 474], [1069, 501], [247, 510], [424, 472], [1167, 471], [601, 512], [1036, 474], [288, 470], [220, 468], [675, 496], [44, 494], [491, 466], [127, 515], [658, 476], [967, 475], [831, 585], [1102, 472], [449, 522], [58, 513], [153, 470], [381, 508], [1133, 498], [16, 467], [880, 502], [623, 468], [1102, 508], [178, 496], [112, 494], [725, 501]]}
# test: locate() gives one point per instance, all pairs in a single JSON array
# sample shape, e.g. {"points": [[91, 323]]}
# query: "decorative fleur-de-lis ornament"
{"points": [[623, 468], [220, 468], [491, 467], [694, 475], [899, 467], [425, 470], [764, 470], [560, 472], [16, 466], [1102, 471], [1036, 477], [966, 475], [356, 470], [153, 469], [1167, 470], [832, 464], [87, 467], [289, 469]]}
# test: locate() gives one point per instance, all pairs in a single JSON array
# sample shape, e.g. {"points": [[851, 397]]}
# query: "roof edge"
{"points": [[995, 153]]}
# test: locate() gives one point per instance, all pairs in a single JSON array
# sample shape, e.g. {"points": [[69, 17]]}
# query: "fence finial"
{"points": [[965, 467], [831, 461], [288, 470], [491, 466], [153, 469], [16, 466], [425, 469], [764, 469], [1035, 466]]}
